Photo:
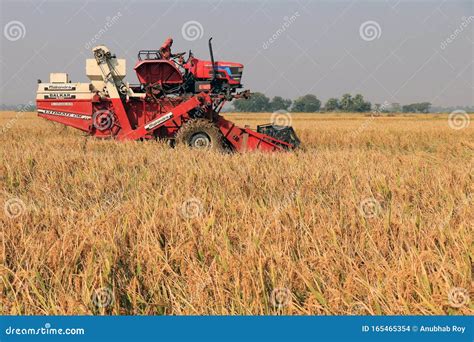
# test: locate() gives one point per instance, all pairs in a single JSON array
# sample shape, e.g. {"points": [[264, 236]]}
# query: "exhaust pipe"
{"points": [[214, 66]]}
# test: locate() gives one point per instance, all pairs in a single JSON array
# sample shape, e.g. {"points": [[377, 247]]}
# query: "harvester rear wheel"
{"points": [[200, 134]]}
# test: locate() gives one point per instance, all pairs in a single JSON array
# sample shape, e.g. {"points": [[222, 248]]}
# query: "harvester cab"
{"points": [[176, 100], [191, 76]]}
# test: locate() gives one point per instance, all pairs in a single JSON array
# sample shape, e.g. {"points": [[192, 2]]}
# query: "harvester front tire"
{"points": [[200, 134]]}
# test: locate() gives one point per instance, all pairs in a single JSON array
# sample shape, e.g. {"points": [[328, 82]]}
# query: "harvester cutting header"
{"points": [[178, 99]]}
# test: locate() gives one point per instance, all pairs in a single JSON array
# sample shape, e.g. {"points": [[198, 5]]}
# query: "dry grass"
{"points": [[104, 222]]}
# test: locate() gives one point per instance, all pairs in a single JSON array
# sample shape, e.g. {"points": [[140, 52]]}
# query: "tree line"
{"points": [[259, 102], [310, 103]]}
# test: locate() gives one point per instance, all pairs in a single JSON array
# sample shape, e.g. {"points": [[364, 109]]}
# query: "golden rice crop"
{"points": [[371, 216]]}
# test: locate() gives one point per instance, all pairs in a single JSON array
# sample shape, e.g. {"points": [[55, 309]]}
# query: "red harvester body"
{"points": [[175, 100]]}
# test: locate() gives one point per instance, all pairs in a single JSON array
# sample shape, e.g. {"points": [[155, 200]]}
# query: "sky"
{"points": [[389, 51]]}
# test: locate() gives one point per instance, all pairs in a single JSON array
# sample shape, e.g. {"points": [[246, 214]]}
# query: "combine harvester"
{"points": [[176, 100]]}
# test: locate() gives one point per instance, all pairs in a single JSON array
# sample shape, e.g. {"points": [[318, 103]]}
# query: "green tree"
{"points": [[308, 103], [332, 105], [423, 107], [346, 102], [279, 103], [360, 105], [257, 102]]}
